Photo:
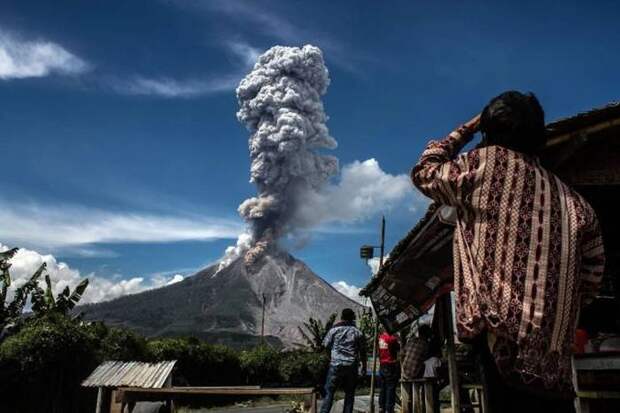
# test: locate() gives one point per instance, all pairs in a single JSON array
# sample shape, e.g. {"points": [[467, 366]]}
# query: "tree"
{"points": [[366, 324], [44, 303], [11, 312], [314, 331]]}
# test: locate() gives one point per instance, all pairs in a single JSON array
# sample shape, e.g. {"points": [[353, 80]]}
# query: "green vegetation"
{"points": [[45, 354], [314, 331]]}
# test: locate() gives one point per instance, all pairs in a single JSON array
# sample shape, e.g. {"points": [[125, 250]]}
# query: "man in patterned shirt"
{"points": [[415, 351], [528, 251]]}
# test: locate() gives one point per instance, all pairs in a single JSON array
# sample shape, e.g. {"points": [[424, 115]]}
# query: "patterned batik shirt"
{"points": [[346, 343], [528, 253], [414, 354]]}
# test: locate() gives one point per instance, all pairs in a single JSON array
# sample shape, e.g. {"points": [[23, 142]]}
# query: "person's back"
{"points": [[344, 341], [528, 252], [347, 345]]}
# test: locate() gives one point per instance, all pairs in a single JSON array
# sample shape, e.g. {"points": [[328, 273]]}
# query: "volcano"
{"points": [[226, 306]]}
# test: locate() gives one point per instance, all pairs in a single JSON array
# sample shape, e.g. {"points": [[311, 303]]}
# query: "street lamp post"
{"points": [[367, 252]]}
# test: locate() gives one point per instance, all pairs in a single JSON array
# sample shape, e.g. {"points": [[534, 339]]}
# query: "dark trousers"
{"points": [[389, 375], [504, 398], [344, 377]]}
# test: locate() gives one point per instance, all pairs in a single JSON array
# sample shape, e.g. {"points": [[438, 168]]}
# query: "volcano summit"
{"points": [[226, 306]]}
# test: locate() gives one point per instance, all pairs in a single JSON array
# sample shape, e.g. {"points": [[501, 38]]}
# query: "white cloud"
{"points": [[373, 263], [363, 191], [173, 88], [350, 291], [35, 58], [26, 262], [50, 227]]}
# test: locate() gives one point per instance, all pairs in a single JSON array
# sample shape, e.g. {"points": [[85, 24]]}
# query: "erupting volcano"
{"points": [[280, 104]]}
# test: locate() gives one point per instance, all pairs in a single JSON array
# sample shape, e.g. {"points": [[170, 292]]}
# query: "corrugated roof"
{"points": [[130, 374]]}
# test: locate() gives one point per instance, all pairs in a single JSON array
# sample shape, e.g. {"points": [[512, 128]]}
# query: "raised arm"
{"points": [[440, 173], [328, 341]]}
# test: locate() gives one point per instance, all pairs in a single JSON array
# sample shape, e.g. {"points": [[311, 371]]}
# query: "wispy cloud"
{"points": [[283, 29], [168, 87], [53, 227], [261, 18], [173, 88], [20, 58], [248, 54]]}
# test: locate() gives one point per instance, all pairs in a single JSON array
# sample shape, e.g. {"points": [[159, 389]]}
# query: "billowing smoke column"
{"points": [[280, 104]]}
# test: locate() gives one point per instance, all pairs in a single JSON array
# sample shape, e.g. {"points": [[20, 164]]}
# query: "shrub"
{"points": [[261, 365], [42, 366], [199, 363], [125, 345], [301, 368]]}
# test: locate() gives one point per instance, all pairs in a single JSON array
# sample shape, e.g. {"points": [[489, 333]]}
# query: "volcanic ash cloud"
{"points": [[280, 104]]}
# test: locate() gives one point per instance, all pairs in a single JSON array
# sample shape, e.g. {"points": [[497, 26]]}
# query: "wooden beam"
{"points": [[128, 394], [555, 140]]}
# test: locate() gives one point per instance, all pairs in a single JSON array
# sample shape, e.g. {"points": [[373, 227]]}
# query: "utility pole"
{"points": [[376, 326], [262, 323]]}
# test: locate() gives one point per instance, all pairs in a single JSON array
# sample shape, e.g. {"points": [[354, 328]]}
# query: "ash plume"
{"points": [[280, 104]]}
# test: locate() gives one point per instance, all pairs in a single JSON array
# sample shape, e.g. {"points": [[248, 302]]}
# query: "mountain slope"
{"points": [[227, 307]]}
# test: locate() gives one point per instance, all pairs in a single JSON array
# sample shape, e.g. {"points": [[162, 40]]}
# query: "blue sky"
{"points": [[122, 155]]}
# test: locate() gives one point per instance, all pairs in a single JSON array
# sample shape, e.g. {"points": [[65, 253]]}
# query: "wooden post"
{"points": [[376, 332], [446, 309], [405, 396], [484, 397], [418, 399], [313, 403], [429, 396], [99, 400], [374, 364]]}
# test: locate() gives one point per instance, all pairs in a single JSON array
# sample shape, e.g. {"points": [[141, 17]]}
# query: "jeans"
{"points": [[389, 375], [344, 377]]}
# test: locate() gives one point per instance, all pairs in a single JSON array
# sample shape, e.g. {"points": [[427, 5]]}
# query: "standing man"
{"points": [[389, 371], [348, 348], [528, 252], [415, 352]]}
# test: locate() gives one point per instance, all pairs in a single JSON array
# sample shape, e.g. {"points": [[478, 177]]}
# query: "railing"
{"points": [[128, 396]]}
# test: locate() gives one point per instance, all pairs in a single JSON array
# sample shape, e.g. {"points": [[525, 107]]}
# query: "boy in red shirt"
{"points": [[389, 371]]}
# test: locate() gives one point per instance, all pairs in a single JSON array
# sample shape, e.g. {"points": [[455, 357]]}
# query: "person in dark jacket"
{"points": [[347, 345]]}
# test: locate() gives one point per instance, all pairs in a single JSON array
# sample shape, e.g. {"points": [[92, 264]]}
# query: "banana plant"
{"points": [[314, 331], [44, 303], [11, 312]]}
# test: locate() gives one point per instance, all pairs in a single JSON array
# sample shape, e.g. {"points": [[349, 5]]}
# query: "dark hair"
{"points": [[515, 121], [347, 315]]}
